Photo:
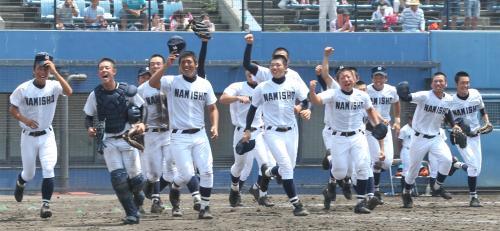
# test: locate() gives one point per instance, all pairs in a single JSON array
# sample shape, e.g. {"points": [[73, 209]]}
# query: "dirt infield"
{"points": [[103, 212]]}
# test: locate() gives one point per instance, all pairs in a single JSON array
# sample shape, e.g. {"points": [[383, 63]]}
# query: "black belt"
{"points": [[37, 133], [346, 134], [252, 129], [157, 129], [187, 131], [279, 129], [425, 136]]}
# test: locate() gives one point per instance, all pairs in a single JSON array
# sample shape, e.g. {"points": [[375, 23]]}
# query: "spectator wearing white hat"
{"points": [[412, 17]]}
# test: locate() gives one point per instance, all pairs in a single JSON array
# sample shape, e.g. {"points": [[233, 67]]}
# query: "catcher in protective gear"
{"points": [[200, 29]]}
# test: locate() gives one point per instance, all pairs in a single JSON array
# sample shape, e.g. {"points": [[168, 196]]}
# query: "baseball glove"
{"points": [[200, 29], [485, 129], [379, 131], [134, 138], [464, 126], [458, 137]]}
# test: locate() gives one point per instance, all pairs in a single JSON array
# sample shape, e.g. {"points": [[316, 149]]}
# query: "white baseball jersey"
{"points": [[468, 109], [329, 107], [347, 110], [90, 108], [383, 99], [37, 104], [187, 101], [264, 74], [430, 111], [153, 103], [278, 101], [405, 135], [239, 110]]}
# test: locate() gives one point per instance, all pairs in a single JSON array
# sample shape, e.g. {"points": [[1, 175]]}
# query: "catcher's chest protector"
{"points": [[112, 107]]}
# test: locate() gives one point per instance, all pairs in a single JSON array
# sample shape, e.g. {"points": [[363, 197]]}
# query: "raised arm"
{"points": [[315, 99], [67, 90], [155, 80], [201, 58], [247, 57]]}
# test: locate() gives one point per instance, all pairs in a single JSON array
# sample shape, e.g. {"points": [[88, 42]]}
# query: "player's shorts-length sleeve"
{"points": [[90, 107], [233, 89], [137, 100], [418, 97], [263, 74], [166, 83], [327, 96], [211, 99], [394, 95], [57, 87], [17, 96], [367, 101], [257, 96]]}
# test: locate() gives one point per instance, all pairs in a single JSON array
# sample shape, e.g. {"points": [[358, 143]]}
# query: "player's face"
{"points": [[155, 64], [278, 68], [438, 83], [463, 85], [107, 72], [346, 80], [379, 81], [361, 87], [41, 72], [143, 78], [188, 66]]}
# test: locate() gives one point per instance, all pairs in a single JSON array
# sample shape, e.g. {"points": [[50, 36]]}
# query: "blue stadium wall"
{"points": [[411, 57]]}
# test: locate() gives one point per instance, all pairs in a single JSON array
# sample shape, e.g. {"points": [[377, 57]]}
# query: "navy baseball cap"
{"points": [[143, 70], [379, 70], [244, 147], [40, 58]]}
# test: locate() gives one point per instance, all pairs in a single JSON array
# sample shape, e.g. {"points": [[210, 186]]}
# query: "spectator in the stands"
{"points": [[380, 16], [65, 13], [327, 8], [451, 11], [157, 23], [412, 18], [180, 21], [93, 16], [205, 18], [133, 11], [342, 23], [472, 8]]}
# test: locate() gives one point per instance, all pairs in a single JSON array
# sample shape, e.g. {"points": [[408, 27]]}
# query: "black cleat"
{"points": [[234, 198], [378, 195], [372, 203], [45, 211], [325, 164], [254, 193], [196, 203], [326, 199], [299, 210], [361, 208], [443, 193], [474, 202], [332, 191], [264, 201], [176, 211], [205, 213], [346, 188], [407, 200], [174, 197], [19, 192], [148, 189], [157, 206], [130, 220]]}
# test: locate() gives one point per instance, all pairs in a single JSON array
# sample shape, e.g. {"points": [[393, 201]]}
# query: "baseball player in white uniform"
{"points": [[432, 107], [239, 96], [405, 134], [348, 145], [468, 105], [187, 96], [33, 104], [118, 108], [383, 96], [277, 99]]}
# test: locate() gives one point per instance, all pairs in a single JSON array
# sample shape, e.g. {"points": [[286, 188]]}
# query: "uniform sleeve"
{"points": [[232, 89], [137, 100], [58, 88], [262, 75], [402, 133], [418, 97], [166, 83], [395, 95], [481, 102], [302, 87], [90, 107], [257, 96], [327, 96], [367, 101], [211, 99], [334, 84], [16, 97]]}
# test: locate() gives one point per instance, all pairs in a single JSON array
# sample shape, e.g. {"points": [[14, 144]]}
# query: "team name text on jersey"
{"points": [[194, 95], [282, 95], [38, 101]]}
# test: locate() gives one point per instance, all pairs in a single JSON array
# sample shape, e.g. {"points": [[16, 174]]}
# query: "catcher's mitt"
{"points": [[379, 131], [464, 126], [134, 138], [458, 137], [200, 29], [485, 129]]}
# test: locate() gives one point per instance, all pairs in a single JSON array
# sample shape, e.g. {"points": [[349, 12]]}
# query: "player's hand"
{"points": [[244, 99], [249, 39], [171, 59], [318, 69], [305, 114], [381, 155], [214, 132], [91, 131], [31, 123], [297, 108], [328, 51], [312, 85], [139, 127], [246, 136], [385, 121], [50, 65], [396, 126]]}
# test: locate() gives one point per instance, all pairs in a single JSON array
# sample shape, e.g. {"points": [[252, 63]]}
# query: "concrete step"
{"points": [[258, 4], [12, 17], [271, 19], [27, 25]]}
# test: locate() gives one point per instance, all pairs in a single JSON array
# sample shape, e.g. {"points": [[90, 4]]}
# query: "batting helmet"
{"points": [[176, 44]]}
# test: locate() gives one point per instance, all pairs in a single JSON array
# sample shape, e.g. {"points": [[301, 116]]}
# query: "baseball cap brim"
{"points": [[379, 73]]}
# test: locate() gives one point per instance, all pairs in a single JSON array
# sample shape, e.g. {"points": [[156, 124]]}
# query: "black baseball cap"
{"points": [[40, 58], [143, 70], [176, 44], [244, 147], [379, 70]]}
